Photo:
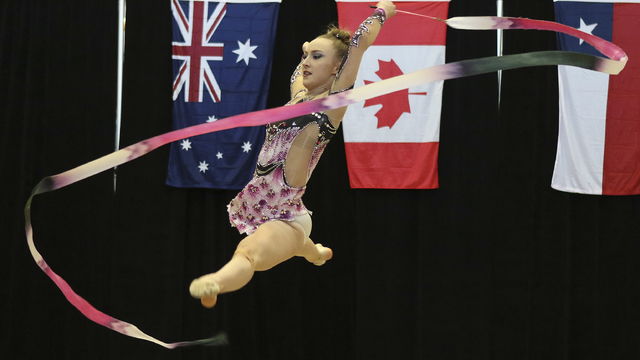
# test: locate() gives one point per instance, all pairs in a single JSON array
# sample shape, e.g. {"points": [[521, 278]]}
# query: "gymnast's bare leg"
{"points": [[271, 244]]}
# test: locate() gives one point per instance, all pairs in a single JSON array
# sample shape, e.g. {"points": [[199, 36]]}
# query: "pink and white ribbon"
{"points": [[613, 63]]}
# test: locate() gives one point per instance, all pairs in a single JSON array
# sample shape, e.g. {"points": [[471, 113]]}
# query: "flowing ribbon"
{"points": [[613, 64]]}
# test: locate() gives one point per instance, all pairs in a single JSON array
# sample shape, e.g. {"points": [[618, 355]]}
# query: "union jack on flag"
{"points": [[195, 50], [221, 58]]}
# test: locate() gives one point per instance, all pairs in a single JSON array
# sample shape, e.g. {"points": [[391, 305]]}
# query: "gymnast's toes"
{"points": [[206, 290], [325, 254], [209, 301]]}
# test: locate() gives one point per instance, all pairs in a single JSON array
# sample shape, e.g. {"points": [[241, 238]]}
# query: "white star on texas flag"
{"points": [[245, 51], [586, 28]]}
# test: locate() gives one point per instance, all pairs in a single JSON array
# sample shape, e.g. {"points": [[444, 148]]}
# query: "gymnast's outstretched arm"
{"points": [[361, 39]]}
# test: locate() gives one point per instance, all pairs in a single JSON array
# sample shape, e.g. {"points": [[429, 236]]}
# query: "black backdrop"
{"points": [[493, 265]]}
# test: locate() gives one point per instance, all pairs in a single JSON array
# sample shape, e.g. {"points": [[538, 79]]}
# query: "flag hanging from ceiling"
{"points": [[391, 141], [222, 54], [599, 134]]}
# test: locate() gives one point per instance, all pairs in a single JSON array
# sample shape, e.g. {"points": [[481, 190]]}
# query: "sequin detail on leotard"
{"points": [[268, 196]]}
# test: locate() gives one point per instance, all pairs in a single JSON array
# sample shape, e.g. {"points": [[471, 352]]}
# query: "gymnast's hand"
{"points": [[388, 6]]}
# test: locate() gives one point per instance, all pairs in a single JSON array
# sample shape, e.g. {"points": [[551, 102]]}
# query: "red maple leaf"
{"points": [[393, 104]]}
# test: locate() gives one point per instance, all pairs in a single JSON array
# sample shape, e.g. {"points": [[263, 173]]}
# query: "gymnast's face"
{"points": [[320, 64]]}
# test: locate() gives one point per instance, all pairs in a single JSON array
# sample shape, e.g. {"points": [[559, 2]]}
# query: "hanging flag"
{"points": [[599, 135], [391, 141], [222, 53]]}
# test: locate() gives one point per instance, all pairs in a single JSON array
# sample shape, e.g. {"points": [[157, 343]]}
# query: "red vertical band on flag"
{"points": [[621, 175], [393, 165], [410, 30]]}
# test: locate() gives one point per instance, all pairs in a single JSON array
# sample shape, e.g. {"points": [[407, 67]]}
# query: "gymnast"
{"points": [[269, 209]]}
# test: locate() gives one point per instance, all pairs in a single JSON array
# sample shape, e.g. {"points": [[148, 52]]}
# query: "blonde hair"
{"points": [[340, 39]]}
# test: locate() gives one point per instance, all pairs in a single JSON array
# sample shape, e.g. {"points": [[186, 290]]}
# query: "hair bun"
{"points": [[339, 34]]}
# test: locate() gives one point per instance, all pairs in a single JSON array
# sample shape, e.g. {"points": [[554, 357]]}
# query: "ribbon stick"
{"points": [[613, 64]]}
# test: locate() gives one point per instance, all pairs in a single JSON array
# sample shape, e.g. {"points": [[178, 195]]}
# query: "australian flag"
{"points": [[599, 133], [222, 55]]}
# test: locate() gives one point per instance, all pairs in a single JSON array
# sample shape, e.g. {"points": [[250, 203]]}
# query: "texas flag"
{"points": [[391, 141], [599, 135]]}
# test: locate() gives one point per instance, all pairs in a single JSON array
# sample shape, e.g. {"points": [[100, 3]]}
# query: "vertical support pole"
{"points": [[122, 18], [499, 8]]}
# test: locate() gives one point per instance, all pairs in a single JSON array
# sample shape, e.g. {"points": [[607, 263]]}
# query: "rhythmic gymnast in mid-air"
{"points": [[269, 209]]}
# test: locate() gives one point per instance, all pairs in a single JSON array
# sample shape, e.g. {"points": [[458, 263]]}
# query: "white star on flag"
{"points": [[211, 118], [245, 51], [246, 147], [586, 28], [219, 155], [203, 166], [185, 144]]}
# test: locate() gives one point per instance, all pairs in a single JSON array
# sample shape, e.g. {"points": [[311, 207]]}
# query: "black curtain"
{"points": [[493, 265]]}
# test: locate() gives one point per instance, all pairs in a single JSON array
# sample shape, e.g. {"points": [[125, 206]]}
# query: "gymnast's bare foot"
{"points": [[206, 289], [324, 254]]}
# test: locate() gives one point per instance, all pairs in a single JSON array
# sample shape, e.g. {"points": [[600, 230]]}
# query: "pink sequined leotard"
{"points": [[268, 196]]}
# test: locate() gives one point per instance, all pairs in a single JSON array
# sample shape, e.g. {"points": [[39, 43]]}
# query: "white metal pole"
{"points": [[122, 18], [499, 9]]}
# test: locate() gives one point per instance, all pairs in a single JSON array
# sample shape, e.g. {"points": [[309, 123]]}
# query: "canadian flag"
{"points": [[391, 141]]}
